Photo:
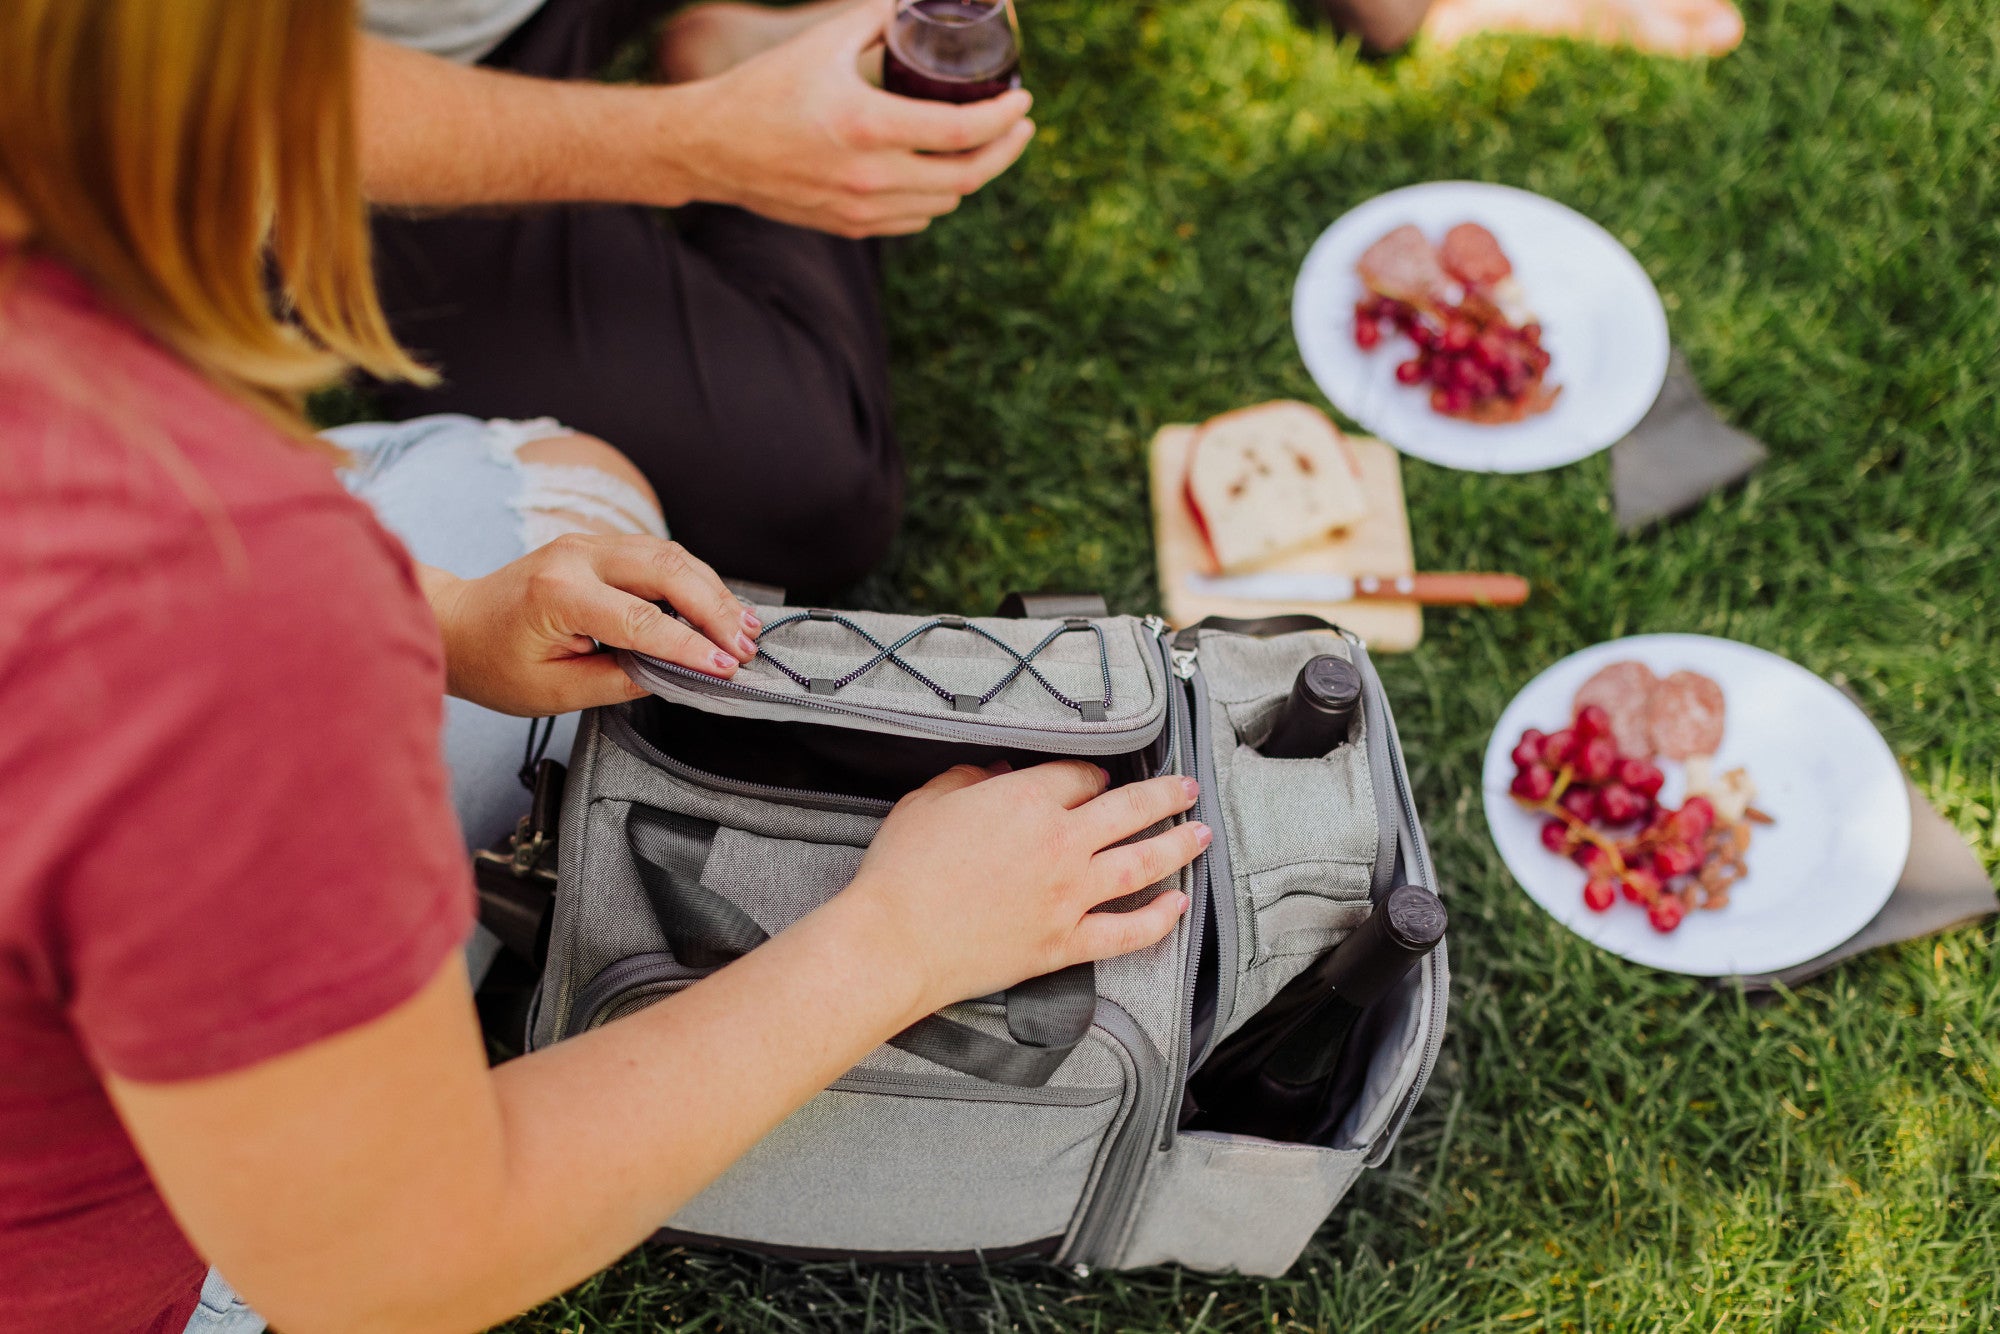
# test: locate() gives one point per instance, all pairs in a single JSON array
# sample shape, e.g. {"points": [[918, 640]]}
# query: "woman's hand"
{"points": [[981, 879], [520, 640]]}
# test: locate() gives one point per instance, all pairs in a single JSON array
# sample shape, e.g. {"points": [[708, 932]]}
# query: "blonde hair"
{"points": [[196, 161]]}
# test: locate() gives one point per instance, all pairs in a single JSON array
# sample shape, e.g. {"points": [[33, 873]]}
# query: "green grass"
{"points": [[1603, 1147]]}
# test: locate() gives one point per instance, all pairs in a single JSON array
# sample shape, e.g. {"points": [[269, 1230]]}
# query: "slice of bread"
{"points": [[1266, 480]]}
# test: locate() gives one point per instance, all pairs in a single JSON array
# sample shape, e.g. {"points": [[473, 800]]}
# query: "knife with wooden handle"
{"points": [[1430, 590]]}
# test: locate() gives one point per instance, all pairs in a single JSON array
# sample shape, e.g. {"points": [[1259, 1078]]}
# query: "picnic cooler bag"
{"points": [[709, 815]]}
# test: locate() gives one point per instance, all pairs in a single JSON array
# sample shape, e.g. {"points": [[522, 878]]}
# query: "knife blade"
{"points": [[1434, 590]]}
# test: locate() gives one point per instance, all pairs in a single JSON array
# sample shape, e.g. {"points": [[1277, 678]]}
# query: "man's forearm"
{"points": [[438, 134]]}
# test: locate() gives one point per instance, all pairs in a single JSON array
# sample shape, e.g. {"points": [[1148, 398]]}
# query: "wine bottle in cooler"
{"points": [[1273, 1076], [1316, 717]]}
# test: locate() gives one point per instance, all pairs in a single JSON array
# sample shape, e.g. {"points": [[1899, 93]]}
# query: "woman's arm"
{"points": [[385, 1180]]}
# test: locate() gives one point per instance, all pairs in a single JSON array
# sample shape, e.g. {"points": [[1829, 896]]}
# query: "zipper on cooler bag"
{"points": [[628, 738], [650, 671], [1417, 853]]}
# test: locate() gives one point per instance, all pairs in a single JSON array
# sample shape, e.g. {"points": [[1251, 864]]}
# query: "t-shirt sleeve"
{"points": [[256, 847]]}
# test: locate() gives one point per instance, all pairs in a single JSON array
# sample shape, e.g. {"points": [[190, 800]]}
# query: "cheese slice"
{"points": [[1266, 480]]}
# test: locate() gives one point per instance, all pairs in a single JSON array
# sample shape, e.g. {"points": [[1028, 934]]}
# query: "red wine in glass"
{"points": [[952, 50]]}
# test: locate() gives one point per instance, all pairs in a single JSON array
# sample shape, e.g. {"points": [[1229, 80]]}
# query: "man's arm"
{"points": [[384, 1179], [794, 133], [441, 134]]}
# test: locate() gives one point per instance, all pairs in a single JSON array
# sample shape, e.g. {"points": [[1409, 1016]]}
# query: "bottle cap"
{"points": [[1406, 925], [1413, 918], [1330, 684]]}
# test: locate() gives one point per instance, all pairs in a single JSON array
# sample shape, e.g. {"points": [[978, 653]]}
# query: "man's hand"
{"points": [[520, 640], [797, 134]]}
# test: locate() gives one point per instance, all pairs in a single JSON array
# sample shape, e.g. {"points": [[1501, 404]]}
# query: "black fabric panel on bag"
{"points": [[1047, 1015], [1055, 1009]]}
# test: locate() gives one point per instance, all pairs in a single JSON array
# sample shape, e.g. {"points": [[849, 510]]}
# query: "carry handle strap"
{"points": [[1051, 606], [1257, 627], [1046, 1016]]}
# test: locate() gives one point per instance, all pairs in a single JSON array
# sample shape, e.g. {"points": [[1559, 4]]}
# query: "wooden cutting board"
{"points": [[1379, 544]]}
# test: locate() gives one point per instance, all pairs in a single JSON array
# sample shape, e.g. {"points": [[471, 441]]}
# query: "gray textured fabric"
{"points": [[777, 881], [461, 30], [1229, 1202], [1302, 833], [1678, 453], [865, 1172], [959, 661]]}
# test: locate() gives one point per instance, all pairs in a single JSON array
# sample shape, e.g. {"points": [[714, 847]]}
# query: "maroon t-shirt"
{"points": [[225, 827]]}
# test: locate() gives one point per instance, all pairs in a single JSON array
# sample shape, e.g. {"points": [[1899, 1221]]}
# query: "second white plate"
{"points": [[1602, 323], [1822, 771]]}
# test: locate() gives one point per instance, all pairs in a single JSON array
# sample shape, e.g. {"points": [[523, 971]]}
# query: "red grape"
{"points": [[1666, 912], [1593, 859], [1555, 836], [1619, 804], [1675, 859], [1580, 802], [1642, 777], [1558, 748], [1592, 720], [1528, 749], [1596, 758], [1534, 783], [1598, 895], [1640, 885]]}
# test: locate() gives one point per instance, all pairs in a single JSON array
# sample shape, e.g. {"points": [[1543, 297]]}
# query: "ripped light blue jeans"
{"points": [[454, 490]]}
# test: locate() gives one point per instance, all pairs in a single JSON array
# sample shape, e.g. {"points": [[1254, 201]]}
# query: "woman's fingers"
{"points": [[588, 683], [1105, 935], [620, 620], [1124, 811], [1131, 867], [1068, 783], [959, 776], [657, 570]]}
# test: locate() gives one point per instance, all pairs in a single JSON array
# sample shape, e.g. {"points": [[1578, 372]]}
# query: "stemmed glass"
{"points": [[952, 50]]}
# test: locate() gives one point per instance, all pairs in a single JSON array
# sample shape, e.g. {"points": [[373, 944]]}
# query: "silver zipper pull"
{"points": [[1183, 663], [1156, 624]]}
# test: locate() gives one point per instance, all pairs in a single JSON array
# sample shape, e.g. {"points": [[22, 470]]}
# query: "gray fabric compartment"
{"points": [[1231, 1202], [1303, 834], [867, 1172]]}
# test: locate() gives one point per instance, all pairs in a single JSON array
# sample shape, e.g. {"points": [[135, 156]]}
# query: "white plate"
{"points": [[1822, 771], [1601, 318]]}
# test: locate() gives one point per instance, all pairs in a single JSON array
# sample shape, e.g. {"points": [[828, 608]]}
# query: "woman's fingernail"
{"points": [[1203, 836], [751, 621], [1192, 788], [1106, 772], [1182, 906], [723, 663], [746, 648]]}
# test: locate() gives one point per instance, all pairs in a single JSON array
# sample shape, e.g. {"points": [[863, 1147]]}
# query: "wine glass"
{"points": [[952, 50]]}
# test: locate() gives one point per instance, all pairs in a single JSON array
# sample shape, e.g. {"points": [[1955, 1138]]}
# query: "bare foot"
{"points": [[1663, 27], [705, 39]]}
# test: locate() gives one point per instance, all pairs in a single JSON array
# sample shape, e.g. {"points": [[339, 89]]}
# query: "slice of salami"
{"points": [[1686, 716], [1625, 691]]}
